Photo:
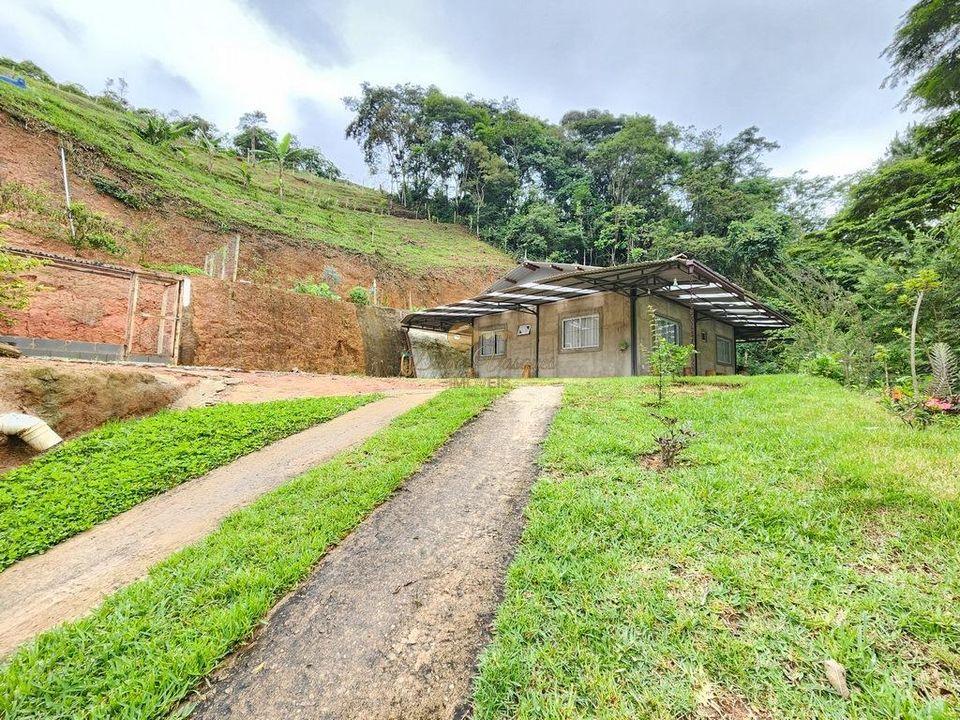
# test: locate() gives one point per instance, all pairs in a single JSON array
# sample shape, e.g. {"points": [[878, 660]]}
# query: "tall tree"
{"points": [[926, 52]]}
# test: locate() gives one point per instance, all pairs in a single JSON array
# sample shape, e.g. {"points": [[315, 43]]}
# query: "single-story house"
{"points": [[560, 320]]}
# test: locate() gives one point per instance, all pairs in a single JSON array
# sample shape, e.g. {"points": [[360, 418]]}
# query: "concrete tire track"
{"points": [[390, 623]]}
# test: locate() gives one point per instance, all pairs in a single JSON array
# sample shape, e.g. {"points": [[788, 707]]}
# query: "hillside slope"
{"points": [[188, 202]]}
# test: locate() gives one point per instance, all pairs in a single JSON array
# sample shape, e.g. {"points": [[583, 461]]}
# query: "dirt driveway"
{"points": [[73, 577], [390, 623]]}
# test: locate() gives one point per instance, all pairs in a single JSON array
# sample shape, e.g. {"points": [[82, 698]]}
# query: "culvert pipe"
{"points": [[32, 430]]}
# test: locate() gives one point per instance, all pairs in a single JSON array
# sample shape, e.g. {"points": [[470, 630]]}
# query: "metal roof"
{"points": [[679, 279]]}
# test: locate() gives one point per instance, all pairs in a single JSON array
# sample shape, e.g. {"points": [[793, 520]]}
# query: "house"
{"points": [[560, 320]]}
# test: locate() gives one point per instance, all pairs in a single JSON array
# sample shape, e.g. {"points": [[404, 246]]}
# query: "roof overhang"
{"points": [[679, 279]]}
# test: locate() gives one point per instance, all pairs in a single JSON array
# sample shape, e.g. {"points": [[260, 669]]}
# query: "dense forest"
{"points": [[847, 257]]}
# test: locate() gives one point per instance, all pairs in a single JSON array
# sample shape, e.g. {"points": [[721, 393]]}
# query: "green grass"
{"points": [[809, 524], [315, 211], [149, 643], [104, 472]]}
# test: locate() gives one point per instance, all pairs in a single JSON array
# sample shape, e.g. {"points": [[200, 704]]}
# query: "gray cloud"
{"points": [[167, 90], [304, 25]]}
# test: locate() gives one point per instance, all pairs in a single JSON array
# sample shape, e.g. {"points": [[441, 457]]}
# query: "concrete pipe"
{"points": [[32, 430]]}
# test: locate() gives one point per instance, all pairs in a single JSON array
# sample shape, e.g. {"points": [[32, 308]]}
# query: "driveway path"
{"points": [[73, 577], [390, 623]]}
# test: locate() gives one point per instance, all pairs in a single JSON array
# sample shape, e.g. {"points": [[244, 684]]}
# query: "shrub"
{"points": [[130, 198], [320, 290], [94, 231], [943, 365], [826, 365], [674, 441], [359, 296]]}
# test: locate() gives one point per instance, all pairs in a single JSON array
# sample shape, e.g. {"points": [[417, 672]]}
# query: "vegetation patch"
{"points": [[102, 473], [148, 644], [808, 552]]}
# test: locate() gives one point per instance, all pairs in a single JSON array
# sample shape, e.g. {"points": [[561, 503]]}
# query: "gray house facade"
{"points": [[558, 320]]}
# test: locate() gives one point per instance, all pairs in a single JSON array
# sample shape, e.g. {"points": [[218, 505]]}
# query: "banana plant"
{"points": [[160, 131]]}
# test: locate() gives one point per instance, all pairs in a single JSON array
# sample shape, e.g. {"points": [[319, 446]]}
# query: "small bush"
{"points": [[667, 360], [130, 198], [823, 365], [359, 296], [674, 441], [94, 231], [320, 290]]}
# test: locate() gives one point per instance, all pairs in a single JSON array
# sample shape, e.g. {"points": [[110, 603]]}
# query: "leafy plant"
{"points": [[826, 365], [14, 291], [130, 198], [914, 288], [943, 365], [158, 130], [359, 296], [320, 290], [674, 441], [93, 231]]}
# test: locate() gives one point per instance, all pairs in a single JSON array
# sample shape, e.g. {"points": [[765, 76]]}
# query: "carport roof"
{"points": [[680, 279]]}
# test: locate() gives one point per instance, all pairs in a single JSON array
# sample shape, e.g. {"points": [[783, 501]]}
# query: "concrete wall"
{"points": [[383, 342], [440, 355], [606, 360], [707, 332]]}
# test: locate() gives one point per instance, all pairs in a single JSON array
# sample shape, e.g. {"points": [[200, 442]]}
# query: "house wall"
{"points": [[606, 360], [707, 332]]}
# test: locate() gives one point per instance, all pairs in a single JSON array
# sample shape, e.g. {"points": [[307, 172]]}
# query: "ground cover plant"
{"points": [[147, 645], [810, 541], [104, 472]]}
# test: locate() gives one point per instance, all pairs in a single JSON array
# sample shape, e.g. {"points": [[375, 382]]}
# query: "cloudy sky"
{"points": [[807, 72]]}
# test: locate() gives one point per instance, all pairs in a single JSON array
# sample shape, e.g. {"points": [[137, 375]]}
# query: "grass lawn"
{"points": [[149, 643], [104, 472], [809, 525]]}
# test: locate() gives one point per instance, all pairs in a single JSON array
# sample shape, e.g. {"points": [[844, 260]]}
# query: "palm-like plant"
{"points": [[210, 144], [943, 364], [160, 131], [282, 153]]}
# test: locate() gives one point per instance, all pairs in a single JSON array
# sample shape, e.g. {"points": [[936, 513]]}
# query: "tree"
{"points": [[925, 51], [388, 123], [281, 153], [253, 133], [313, 161]]}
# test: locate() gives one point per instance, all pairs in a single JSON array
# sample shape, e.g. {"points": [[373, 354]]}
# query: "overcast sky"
{"points": [[807, 72]]}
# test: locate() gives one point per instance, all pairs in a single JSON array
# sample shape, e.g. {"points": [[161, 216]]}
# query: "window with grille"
{"points": [[581, 332], [492, 343], [668, 330], [724, 350]]}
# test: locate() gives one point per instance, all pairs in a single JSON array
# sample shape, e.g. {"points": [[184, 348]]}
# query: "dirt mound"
{"points": [[74, 399]]}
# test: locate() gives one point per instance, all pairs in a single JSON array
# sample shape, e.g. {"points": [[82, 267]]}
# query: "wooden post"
{"points": [[131, 312], [183, 288], [162, 323], [236, 258]]}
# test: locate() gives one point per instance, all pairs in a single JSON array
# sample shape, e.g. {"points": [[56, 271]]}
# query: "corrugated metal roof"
{"points": [[680, 279]]}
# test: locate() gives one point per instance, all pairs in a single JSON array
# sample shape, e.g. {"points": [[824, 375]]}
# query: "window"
{"points": [[492, 343], [581, 332], [724, 351], [668, 330]]}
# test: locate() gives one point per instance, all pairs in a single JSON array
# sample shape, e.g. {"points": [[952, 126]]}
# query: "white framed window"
{"points": [[493, 343], [668, 330], [581, 332], [724, 351]]}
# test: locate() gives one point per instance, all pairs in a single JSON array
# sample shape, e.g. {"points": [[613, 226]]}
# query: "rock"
{"points": [[9, 351], [837, 675]]}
